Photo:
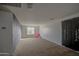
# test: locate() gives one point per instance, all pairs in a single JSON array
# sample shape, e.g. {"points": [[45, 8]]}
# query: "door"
{"points": [[70, 33], [66, 33], [75, 33], [5, 32]]}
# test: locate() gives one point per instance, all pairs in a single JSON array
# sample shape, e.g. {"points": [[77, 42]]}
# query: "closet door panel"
{"points": [[70, 33]]}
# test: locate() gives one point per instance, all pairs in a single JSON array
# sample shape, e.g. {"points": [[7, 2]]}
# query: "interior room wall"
{"points": [[53, 30], [16, 32]]}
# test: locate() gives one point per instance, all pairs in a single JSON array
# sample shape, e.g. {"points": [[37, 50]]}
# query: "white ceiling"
{"points": [[41, 13]]}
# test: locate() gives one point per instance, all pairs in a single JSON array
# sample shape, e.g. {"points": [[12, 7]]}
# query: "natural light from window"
{"points": [[30, 30]]}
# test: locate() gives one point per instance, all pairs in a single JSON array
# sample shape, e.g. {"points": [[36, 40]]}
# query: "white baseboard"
{"points": [[4, 54]]}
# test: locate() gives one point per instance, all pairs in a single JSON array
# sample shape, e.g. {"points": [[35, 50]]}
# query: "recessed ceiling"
{"points": [[41, 13]]}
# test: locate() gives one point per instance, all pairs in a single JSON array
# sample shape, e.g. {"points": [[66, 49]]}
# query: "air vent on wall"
{"points": [[29, 5], [51, 18], [12, 4]]}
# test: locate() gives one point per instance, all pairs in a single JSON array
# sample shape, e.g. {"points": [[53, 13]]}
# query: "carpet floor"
{"points": [[42, 47]]}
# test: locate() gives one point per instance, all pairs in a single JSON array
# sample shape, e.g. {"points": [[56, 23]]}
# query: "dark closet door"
{"points": [[66, 31], [75, 33], [70, 33]]}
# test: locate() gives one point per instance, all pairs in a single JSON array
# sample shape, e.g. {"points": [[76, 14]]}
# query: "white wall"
{"points": [[53, 30], [16, 32]]}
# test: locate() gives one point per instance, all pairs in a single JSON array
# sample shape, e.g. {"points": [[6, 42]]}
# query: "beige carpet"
{"points": [[41, 47]]}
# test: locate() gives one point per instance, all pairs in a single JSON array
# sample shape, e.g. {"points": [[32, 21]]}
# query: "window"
{"points": [[30, 30]]}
